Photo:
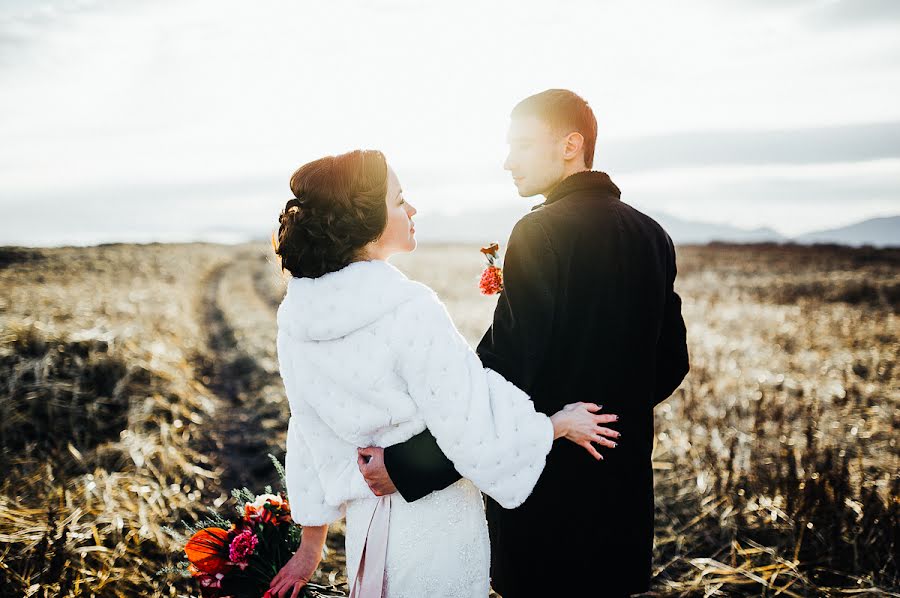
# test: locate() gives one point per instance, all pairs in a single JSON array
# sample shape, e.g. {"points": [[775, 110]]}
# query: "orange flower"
{"points": [[268, 508], [490, 249], [207, 551]]}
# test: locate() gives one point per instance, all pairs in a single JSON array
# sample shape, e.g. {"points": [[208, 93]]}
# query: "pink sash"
{"points": [[369, 582]]}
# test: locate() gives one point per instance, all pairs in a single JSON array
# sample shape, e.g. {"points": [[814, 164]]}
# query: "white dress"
{"points": [[371, 358]]}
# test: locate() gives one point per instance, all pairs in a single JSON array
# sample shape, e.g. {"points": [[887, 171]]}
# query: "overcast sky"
{"points": [[160, 119]]}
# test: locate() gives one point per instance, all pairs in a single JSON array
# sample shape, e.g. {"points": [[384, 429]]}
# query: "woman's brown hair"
{"points": [[338, 208]]}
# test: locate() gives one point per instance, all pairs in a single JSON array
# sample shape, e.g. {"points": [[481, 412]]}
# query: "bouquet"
{"points": [[237, 557], [492, 278]]}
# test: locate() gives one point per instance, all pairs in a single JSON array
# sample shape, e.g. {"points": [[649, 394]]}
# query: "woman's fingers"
{"points": [[603, 441], [592, 407], [284, 589], [606, 418], [590, 448], [298, 588], [608, 432]]}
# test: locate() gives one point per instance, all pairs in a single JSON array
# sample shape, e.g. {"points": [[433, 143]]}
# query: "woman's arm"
{"points": [[306, 495], [483, 423], [297, 572]]}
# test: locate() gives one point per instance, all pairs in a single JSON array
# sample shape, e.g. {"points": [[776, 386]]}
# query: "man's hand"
{"points": [[371, 465]]}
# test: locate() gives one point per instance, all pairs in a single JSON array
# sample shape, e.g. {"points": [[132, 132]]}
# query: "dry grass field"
{"points": [[139, 385]]}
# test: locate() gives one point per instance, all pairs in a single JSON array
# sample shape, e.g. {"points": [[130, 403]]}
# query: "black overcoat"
{"points": [[588, 312]]}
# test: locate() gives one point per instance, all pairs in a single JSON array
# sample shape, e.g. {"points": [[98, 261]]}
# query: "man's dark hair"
{"points": [[566, 112]]}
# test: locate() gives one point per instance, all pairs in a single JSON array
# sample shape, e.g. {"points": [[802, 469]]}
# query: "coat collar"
{"points": [[594, 181]]}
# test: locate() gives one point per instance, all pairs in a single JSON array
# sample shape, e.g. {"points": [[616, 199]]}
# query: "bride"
{"points": [[371, 358]]}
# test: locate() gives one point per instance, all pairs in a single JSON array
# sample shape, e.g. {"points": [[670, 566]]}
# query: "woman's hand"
{"points": [[580, 423], [296, 573]]}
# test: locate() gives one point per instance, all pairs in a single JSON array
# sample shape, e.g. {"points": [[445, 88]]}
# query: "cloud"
{"points": [[174, 105], [854, 13], [847, 143]]}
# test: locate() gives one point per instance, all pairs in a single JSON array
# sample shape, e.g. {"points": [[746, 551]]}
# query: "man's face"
{"points": [[535, 156]]}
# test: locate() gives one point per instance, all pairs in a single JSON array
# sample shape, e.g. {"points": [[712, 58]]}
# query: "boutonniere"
{"points": [[492, 278]]}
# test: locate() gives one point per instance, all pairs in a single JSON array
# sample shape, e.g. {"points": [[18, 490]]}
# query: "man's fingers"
{"points": [[608, 432]]}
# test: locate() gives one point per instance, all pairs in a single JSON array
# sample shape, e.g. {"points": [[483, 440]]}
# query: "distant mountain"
{"points": [[880, 232], [495, 225], [686, 232]]}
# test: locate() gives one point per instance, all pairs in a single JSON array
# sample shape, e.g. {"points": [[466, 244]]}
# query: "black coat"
{"points": [[588, 313]]}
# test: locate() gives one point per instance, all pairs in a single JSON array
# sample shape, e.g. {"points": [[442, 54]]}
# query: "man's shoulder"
{"points": [[613, 221], [530, 228], [640, 216], [648, 223]]}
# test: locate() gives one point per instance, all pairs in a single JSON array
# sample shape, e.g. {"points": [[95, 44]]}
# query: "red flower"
{"points": [[491, 280]]}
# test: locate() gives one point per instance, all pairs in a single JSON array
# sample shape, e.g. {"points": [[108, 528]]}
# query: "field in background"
{"points": [[139, 385]]}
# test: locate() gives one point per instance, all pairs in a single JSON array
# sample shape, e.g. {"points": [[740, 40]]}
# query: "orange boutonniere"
{"points": [[491, 281]]}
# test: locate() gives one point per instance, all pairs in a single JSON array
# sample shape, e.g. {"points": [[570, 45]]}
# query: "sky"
{"points": [[173, 120]]}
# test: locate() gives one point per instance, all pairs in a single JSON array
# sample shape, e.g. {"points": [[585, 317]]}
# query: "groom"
{"points": [[587, 313]]}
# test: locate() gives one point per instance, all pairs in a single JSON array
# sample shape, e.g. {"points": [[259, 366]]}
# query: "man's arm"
{"points": [[514, 346], [418, 467], [672, 363]]}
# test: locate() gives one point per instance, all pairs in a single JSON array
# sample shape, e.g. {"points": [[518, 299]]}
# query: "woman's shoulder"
{"points": [[340, 303]]}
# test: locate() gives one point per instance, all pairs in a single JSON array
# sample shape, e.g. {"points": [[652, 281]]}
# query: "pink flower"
{"points": [[212, 581], [242, 546]]}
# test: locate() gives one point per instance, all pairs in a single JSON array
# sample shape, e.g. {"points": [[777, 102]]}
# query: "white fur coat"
{"points": [[371, 358]]}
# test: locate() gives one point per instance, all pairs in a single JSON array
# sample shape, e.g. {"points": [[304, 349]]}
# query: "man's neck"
{"points": [[566, 174]]}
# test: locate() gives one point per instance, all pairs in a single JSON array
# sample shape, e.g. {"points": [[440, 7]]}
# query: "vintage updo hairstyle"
{"points": [[338, 208]]}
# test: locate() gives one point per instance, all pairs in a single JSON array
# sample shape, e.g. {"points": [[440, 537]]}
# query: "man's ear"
{"points": [[574, 145]]}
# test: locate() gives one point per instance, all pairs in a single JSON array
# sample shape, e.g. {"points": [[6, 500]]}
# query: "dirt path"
{"points": [[240, 300], [241, 368]]}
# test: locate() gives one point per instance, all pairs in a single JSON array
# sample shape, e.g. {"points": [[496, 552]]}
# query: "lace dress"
{"points": [[438, 546]]}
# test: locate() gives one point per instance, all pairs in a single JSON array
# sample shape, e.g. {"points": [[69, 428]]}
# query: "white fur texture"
{"points": [[371, 358]]}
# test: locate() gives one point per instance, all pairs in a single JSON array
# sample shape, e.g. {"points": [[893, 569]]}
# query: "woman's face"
{"points": [[399, 233]]}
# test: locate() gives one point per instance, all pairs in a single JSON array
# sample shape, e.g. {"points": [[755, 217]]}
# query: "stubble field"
{"points": [[139, 385]]}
